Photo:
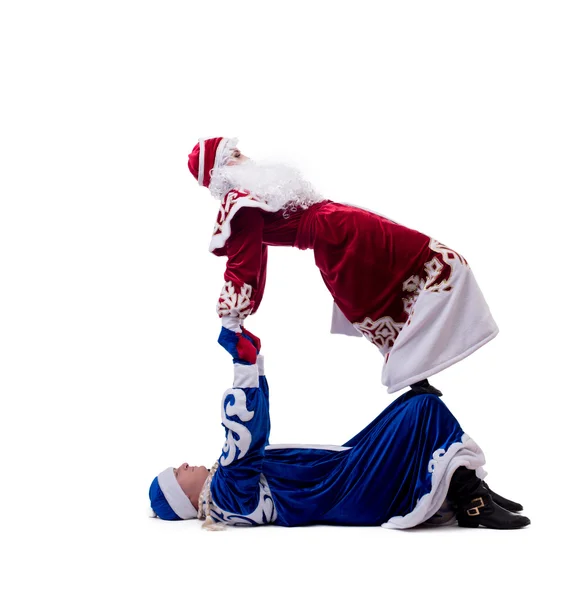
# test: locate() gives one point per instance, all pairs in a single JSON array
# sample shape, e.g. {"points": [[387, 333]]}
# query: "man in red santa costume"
{"points": [[410, 295]]}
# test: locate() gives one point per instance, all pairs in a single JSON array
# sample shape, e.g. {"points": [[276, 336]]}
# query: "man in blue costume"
{"points": [[413, 464]]}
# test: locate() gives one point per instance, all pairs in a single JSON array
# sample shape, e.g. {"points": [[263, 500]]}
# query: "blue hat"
{"points": [[168, 500]]}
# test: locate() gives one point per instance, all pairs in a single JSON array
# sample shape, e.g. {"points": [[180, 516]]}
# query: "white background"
{"points": [[454, 118]]}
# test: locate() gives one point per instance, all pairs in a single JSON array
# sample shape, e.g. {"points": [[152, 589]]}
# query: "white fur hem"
{"points": [[341, 325], [437, 368], [442, 466]]}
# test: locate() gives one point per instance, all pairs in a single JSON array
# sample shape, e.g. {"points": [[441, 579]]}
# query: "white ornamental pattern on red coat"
{"points": [[447, 253], [226, 205], [384, 331], [235, 304]]}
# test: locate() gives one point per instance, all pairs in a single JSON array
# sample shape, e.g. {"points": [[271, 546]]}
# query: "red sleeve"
{"points": [[261, 279], [245, 273]]}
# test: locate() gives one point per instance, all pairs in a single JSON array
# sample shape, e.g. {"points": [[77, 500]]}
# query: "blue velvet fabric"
{"points": [[381, 474], [236, 485], [159, 503]]}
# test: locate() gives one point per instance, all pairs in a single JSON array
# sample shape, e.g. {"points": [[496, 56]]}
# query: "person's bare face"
{"points": [[237, 158], [191, 480]]}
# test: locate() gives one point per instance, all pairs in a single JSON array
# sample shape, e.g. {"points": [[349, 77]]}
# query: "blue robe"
{"points": [[395, 472]]}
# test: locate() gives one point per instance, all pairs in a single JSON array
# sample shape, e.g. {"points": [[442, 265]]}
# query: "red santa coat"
{"points": [[410, 295]]}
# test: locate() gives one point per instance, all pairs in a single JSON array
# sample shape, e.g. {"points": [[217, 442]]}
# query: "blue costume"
{"points": [[395, 472]]}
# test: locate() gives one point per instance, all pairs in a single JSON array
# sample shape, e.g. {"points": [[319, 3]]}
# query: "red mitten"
{"points": [[246, 350], [239, 342], [255, 340]]}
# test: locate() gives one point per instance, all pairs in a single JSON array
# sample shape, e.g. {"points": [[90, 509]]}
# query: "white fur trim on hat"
{"points": [[175, 496], [201, 162], [224, 152]]}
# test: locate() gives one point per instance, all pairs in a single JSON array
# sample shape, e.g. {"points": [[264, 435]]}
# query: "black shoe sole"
{"points": [[473, 525]]}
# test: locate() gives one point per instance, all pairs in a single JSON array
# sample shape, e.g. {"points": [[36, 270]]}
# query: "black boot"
{"points": [[423, 387], [475, 506], [501, 501]]}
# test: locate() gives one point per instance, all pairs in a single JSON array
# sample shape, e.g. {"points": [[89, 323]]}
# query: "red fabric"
{"points": [[364, 258], [227, 205], [246, 350], [210, 147], [255, 340], [247, 255]]}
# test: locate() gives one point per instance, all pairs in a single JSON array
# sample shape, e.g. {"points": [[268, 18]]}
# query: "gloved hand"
{"points": [[238, 341]]}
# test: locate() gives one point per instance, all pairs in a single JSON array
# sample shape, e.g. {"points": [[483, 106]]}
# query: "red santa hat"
{"points": [[208, 155]]}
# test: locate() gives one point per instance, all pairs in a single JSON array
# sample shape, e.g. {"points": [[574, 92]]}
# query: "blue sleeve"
{"points": [[237, 487]]}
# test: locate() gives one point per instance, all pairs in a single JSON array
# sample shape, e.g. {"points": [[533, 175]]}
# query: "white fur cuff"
{"points": [[245, 376]]}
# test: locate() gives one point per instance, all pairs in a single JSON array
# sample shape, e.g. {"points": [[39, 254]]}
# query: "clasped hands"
{"points": [[238, 341]]}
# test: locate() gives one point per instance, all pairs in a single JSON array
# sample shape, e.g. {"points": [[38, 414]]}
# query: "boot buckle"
{"points": [[475, 510]]}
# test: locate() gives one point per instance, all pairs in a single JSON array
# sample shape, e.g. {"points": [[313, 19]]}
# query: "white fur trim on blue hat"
{"points": [[175, 496]]}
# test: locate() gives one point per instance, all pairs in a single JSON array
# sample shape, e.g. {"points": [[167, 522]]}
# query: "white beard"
{"points": [[280, 186]]}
